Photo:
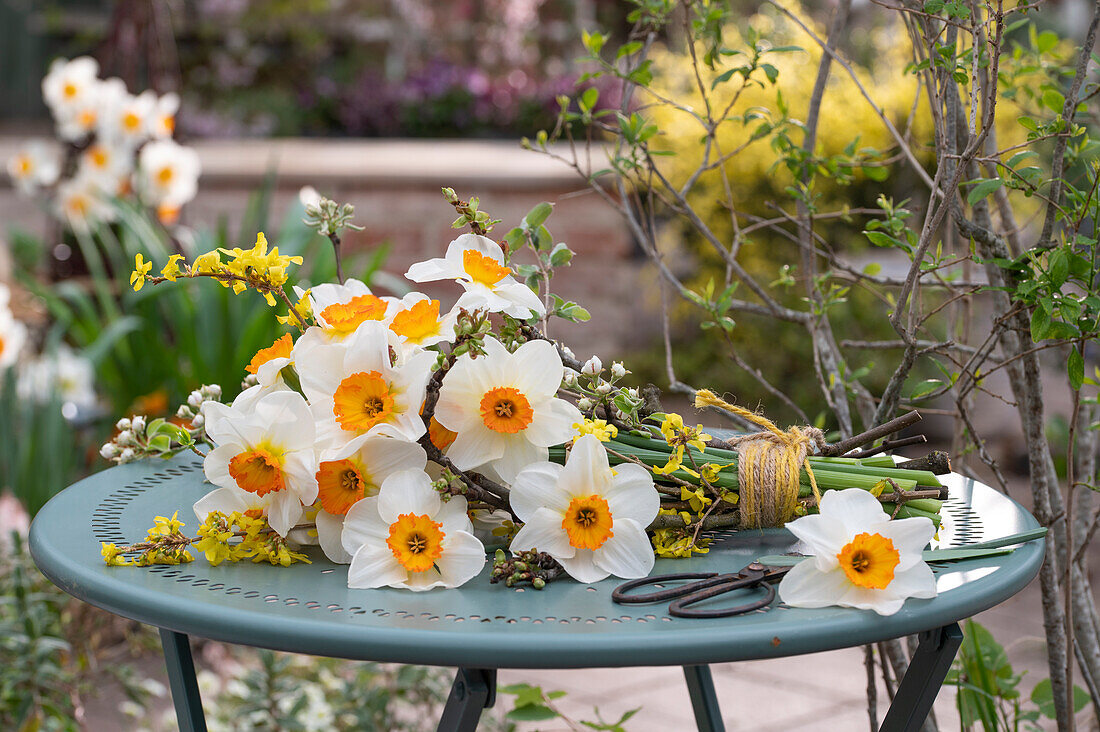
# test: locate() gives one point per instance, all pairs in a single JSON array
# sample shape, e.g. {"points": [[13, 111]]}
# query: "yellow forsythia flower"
{"points": [[172, 269], [596, 427], [141, 268]]}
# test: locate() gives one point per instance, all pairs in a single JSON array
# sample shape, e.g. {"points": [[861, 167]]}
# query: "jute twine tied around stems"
{"points": [[768, 465]]}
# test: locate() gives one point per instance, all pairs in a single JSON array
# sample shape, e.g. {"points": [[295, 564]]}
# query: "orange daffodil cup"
{"points": [[861, 558]]}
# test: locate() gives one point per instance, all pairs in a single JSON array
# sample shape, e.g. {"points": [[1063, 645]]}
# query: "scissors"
{"points": [[708, 585]]}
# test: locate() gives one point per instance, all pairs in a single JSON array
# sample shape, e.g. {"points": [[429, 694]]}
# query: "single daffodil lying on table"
{"points": [[860, 560]]}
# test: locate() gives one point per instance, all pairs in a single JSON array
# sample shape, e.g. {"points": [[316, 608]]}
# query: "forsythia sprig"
{"points": [[257, 268], [220, 538]]}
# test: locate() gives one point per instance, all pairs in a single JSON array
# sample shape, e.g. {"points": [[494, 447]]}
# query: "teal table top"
{"points": [[308, 608]]}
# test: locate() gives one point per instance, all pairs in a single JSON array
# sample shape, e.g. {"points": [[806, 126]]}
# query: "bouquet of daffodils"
{"points": [[112, 144], [405, 439]]}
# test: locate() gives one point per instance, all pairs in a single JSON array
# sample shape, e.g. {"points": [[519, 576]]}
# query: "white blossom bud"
{"points": [[184, 412], [194, 399], [126, 437], [619, 414], [567, 351], [592, 366], [122, 424], [584, 404], [213, 391], [632, 393], [138, 424], [569, 377], [618, 371], [127, 455], [603, 389], [198, 421], [109, 450]]}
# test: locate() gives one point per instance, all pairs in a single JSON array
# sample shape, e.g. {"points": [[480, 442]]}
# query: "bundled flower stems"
{"points": [[904, 492]]}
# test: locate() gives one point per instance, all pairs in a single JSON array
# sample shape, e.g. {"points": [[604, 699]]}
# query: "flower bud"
{"points": [[126, 437], [198, 421], [618, 371], [184, 412], [138, 424], [592, 366], [122, 424], [569, 377], [584, 404], [604, 388], [126, 456], [632, 393], [567, 351], [194, 399], [109, 450], [214, 391]]}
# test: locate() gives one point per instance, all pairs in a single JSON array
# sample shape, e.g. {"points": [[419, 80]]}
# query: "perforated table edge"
{"points": [[584, 642]]}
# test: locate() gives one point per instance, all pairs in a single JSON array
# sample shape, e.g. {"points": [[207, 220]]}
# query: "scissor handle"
{"points": [[680, 608], [707, 579]]}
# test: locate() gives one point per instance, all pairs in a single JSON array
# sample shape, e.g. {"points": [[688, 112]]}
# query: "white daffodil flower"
{"points": [[341, 309], [477, 263], [417, 322], [36, 165], [69, 84], [355, 388], [268, 363], [162, 123], [108, 166], [352, 472], [13, 334], [407, 537], [504, 409], [265, 447], [126, 119], [167, 175], [861, 558], [83, 204], [590, 519]]}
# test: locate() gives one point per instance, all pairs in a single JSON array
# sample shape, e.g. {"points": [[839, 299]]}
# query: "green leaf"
{"points": [[560, 255], [933, 6], [532, 713], [1059, 268], [983, 189], [879, 239], [925, 388], [589, 98], [1040, 324], [539, 214], [1053, 100], [1043, 697], [1075, 369]]}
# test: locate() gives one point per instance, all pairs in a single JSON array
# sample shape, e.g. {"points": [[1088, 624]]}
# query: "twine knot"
{"points": [[769, 464]]}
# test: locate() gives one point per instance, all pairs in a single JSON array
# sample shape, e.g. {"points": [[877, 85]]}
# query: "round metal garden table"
{"points": [[308, 608]]}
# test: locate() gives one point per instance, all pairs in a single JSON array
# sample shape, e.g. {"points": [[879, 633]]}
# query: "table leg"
{"points": [[708, 717], [927, 670], [181, 679], [474, 690]]}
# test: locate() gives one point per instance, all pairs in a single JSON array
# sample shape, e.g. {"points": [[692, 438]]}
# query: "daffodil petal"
{"points": [[462, 559], [535, 487], [552, 423], [329, 530], [854, 508], [806, 586], [543, 531], [632, 495], [628, 553], [582, 567], [363, 526], [409, 491], [374, 566], [909, 537]]}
